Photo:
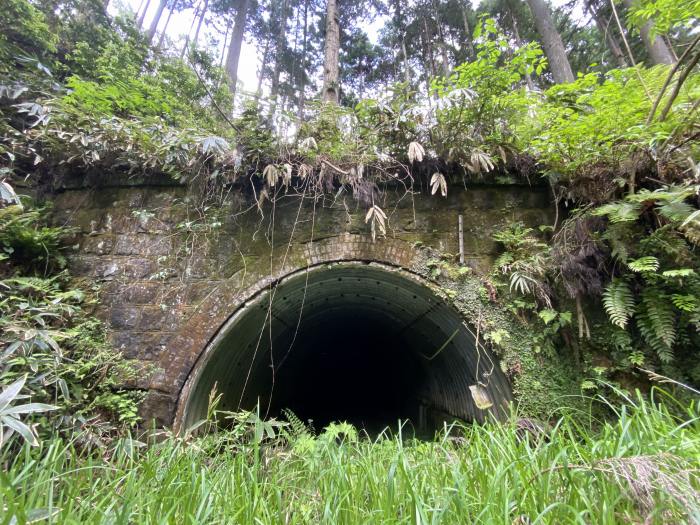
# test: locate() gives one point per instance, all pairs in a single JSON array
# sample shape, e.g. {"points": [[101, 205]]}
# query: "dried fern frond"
{"points": [[271, 173], [415, 152], [438, 182], [377, 219], [481, 162], [304, 171], [287, 175]]}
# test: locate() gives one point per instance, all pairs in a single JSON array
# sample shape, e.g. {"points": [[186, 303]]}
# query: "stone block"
{"points": [[142, 244], [158, 408], [141, 292], [124, 317], [153, 318], [98, 244], [140, 268]]}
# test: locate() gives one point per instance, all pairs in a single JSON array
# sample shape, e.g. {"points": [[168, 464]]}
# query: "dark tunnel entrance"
{"points": [[356, 342], [356, 370]]}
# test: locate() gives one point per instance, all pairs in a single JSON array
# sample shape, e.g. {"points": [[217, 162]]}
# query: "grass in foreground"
{"points": [[641, 468]]}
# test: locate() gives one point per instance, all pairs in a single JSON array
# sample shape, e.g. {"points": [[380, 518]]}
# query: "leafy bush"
{"points": [[52, 351]]}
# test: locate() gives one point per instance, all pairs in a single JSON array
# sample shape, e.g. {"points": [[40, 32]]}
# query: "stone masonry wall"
{"points": [[171, 274]]}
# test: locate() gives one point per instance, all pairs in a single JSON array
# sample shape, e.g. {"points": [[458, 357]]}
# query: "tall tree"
{"points": [[165, 28], [331, 54], [551, 41], [234, 48], [606, 32], [659, 52], [142, 16], [469, 40], [195, 39], [282, 14], [519, 41], [304, 62], [198, 18], [156, 20]]}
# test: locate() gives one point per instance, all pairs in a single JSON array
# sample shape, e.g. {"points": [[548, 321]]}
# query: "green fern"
{"points": [[686, 303], [298, 427], [656, 321], [644, 264], [619, 302], [35, 285], [681, 272], [676, 211], [619, 211]]}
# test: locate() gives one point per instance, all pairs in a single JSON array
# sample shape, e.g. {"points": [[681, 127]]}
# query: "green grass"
{"points": [[640, 466]]}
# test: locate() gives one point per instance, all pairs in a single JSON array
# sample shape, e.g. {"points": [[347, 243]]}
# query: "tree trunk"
{"points": [[331, 90], [137, 12], [195, 40], [165, 28], [223, 52], [261, 76], [429, 48], [468, 34], [189, 32], [518, 41], [279, 55], [234, 48], [658, 51], [552, 43], [406, 69], [446, 69], [198, 15], [304, 51], [399, 21], [156, 19], [604, 28], [142, 16]]}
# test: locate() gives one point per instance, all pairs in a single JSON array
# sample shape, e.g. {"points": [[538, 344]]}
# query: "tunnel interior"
{"points": [[356, 342]]}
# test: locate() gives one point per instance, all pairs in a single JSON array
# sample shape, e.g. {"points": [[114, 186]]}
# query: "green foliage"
{"points": [[597, 123], [657, 322], [10, 413], [28, 242], [481, 99], [639, 467], [23, 31], [51, 350], [523, 261], [667, 15], [619, 302]]}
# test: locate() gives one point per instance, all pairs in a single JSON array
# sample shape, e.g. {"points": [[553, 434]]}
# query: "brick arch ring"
{"points": [[253, 337]]}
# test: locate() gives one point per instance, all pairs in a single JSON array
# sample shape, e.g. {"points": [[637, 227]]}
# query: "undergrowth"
{"points": [[640, 468]]}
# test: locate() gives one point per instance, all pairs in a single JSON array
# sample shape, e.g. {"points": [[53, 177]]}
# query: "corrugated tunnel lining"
{"points": [[348, 341]]}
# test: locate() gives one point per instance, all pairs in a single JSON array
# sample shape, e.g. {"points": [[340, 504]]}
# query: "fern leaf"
{"points": [[415, 152], [619, 211], [298, 428], [644, 264], [657, 323], [619, 302]]}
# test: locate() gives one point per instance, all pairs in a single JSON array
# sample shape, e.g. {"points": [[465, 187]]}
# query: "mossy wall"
{"points": [[172, 271]]}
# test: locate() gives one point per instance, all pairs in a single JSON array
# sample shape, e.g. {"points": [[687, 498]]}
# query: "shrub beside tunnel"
{"points": [[356, 342]]}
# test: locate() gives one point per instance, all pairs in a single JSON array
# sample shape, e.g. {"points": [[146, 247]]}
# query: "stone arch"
{"points": [[198, 338]]}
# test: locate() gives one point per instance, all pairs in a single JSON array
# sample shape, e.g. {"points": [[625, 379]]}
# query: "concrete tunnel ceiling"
{"points": [[358, 342]]}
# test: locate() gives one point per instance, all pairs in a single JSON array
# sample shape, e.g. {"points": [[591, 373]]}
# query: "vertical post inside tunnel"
{"points": [[355, 342]]}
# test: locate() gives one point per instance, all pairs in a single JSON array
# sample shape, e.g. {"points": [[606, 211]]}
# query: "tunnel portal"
{"points": [[364, 343]]}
